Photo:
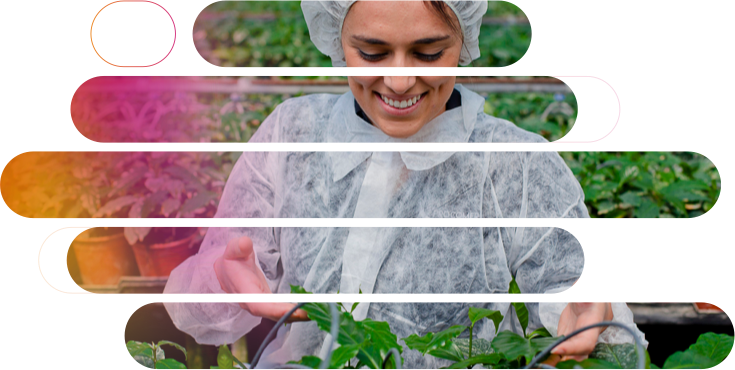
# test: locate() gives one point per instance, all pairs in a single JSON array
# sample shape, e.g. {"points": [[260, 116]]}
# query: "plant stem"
{"points": [[470, 353]]}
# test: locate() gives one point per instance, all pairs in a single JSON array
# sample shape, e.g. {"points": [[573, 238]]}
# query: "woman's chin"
{"points": [[399, 130]]}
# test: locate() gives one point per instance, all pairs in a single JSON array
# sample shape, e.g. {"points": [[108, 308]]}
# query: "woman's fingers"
{"points": [[274, 311], [240, 248], [580, 345]]}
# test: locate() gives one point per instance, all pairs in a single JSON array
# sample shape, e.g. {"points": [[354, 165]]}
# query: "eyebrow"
{"points": [[424, 41]]}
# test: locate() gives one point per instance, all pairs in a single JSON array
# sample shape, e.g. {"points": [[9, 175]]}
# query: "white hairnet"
{"points": [[325, 18]]}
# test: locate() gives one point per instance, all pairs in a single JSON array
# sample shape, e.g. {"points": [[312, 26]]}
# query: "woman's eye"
{"points": [[429, 57], [372, 57]]}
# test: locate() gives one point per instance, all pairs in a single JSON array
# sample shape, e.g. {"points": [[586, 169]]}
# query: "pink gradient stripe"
{"points": [[182, 53], [673, 108], [36, 109]]}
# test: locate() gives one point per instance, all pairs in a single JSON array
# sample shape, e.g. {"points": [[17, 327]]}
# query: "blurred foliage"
{"points": [[274, 34], [628, 184], [645, 185], [547, 114]]}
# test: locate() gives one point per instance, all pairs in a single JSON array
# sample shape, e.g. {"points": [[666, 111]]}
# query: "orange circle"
{"points": [[131, 33]]}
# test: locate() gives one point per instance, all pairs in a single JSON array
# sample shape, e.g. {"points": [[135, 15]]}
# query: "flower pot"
{"points": [[102, 260], [158, 259], [702, 307]]}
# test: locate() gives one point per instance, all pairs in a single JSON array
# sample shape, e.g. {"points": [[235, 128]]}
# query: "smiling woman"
{"points": [[397, 185]]}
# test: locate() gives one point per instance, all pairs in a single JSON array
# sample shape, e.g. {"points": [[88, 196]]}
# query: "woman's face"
{"points": [[400, 34]]}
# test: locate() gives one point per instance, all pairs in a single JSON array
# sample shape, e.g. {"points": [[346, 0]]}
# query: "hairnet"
{"points": [[325, 18]]}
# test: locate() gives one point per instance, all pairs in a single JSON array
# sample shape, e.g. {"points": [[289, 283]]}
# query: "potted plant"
{"points": [[170, 185], [74, 184]]}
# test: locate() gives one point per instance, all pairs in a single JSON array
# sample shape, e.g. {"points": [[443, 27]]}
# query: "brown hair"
{"points": [[447, 15]]}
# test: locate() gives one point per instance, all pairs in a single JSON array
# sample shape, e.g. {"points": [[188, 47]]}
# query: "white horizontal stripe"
{"points": [[669, 135], [49, 56], [595, 76], [675, 94], [47, 76], [50, 7], [186, 67], [674, 89], [69, 136], [619, 6], [629, 55], [61, 342], [132, 43]]}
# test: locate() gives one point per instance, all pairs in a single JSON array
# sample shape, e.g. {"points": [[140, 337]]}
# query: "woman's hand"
{"points": [[237, 272], [576, 316]]}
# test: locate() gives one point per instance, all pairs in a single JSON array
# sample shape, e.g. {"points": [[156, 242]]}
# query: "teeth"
{"points": [[401, 104]]}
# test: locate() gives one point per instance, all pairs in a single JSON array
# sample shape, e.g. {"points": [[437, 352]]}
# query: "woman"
{"points": [[392, 185]]}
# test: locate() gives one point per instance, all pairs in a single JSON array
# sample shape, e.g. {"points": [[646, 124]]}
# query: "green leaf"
{"points": [[374, 338], [224, 358], [476, 314], [115, 205], [513, 346], [354, 305], [151, 202], [169, 343], [490, 359], [141, 352], [342, 355], [630, 197], [540, 332], [170, 206], [622, 355], [589, 363], [438, 344], [135, 234], [181, 173], [198, 201], [714, 346], [647, 209], [520, 307], [295, 289], [689, 360], [479, 346], [169, 363], [131, 178], [308, 361]]}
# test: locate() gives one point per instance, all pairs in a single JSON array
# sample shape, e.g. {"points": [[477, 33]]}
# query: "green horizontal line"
{"points": [[368, 222]]}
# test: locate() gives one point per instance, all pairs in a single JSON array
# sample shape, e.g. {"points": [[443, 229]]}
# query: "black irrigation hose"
{"points": [[272, 334], [397, 356], [639, 347], [334, 332]]}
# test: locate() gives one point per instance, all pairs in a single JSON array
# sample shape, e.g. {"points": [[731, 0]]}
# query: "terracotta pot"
{"points": [[103, 260], [159, 259], [706, 307]]}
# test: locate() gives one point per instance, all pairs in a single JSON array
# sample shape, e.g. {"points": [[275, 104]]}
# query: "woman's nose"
{"points": [[399, 84]]}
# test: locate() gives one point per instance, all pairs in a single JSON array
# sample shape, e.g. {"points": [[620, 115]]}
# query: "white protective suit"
{"points": [[391, 260]]}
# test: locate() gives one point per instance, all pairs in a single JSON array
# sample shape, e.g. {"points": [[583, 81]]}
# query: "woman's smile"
{"points": [[399, 105]]}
